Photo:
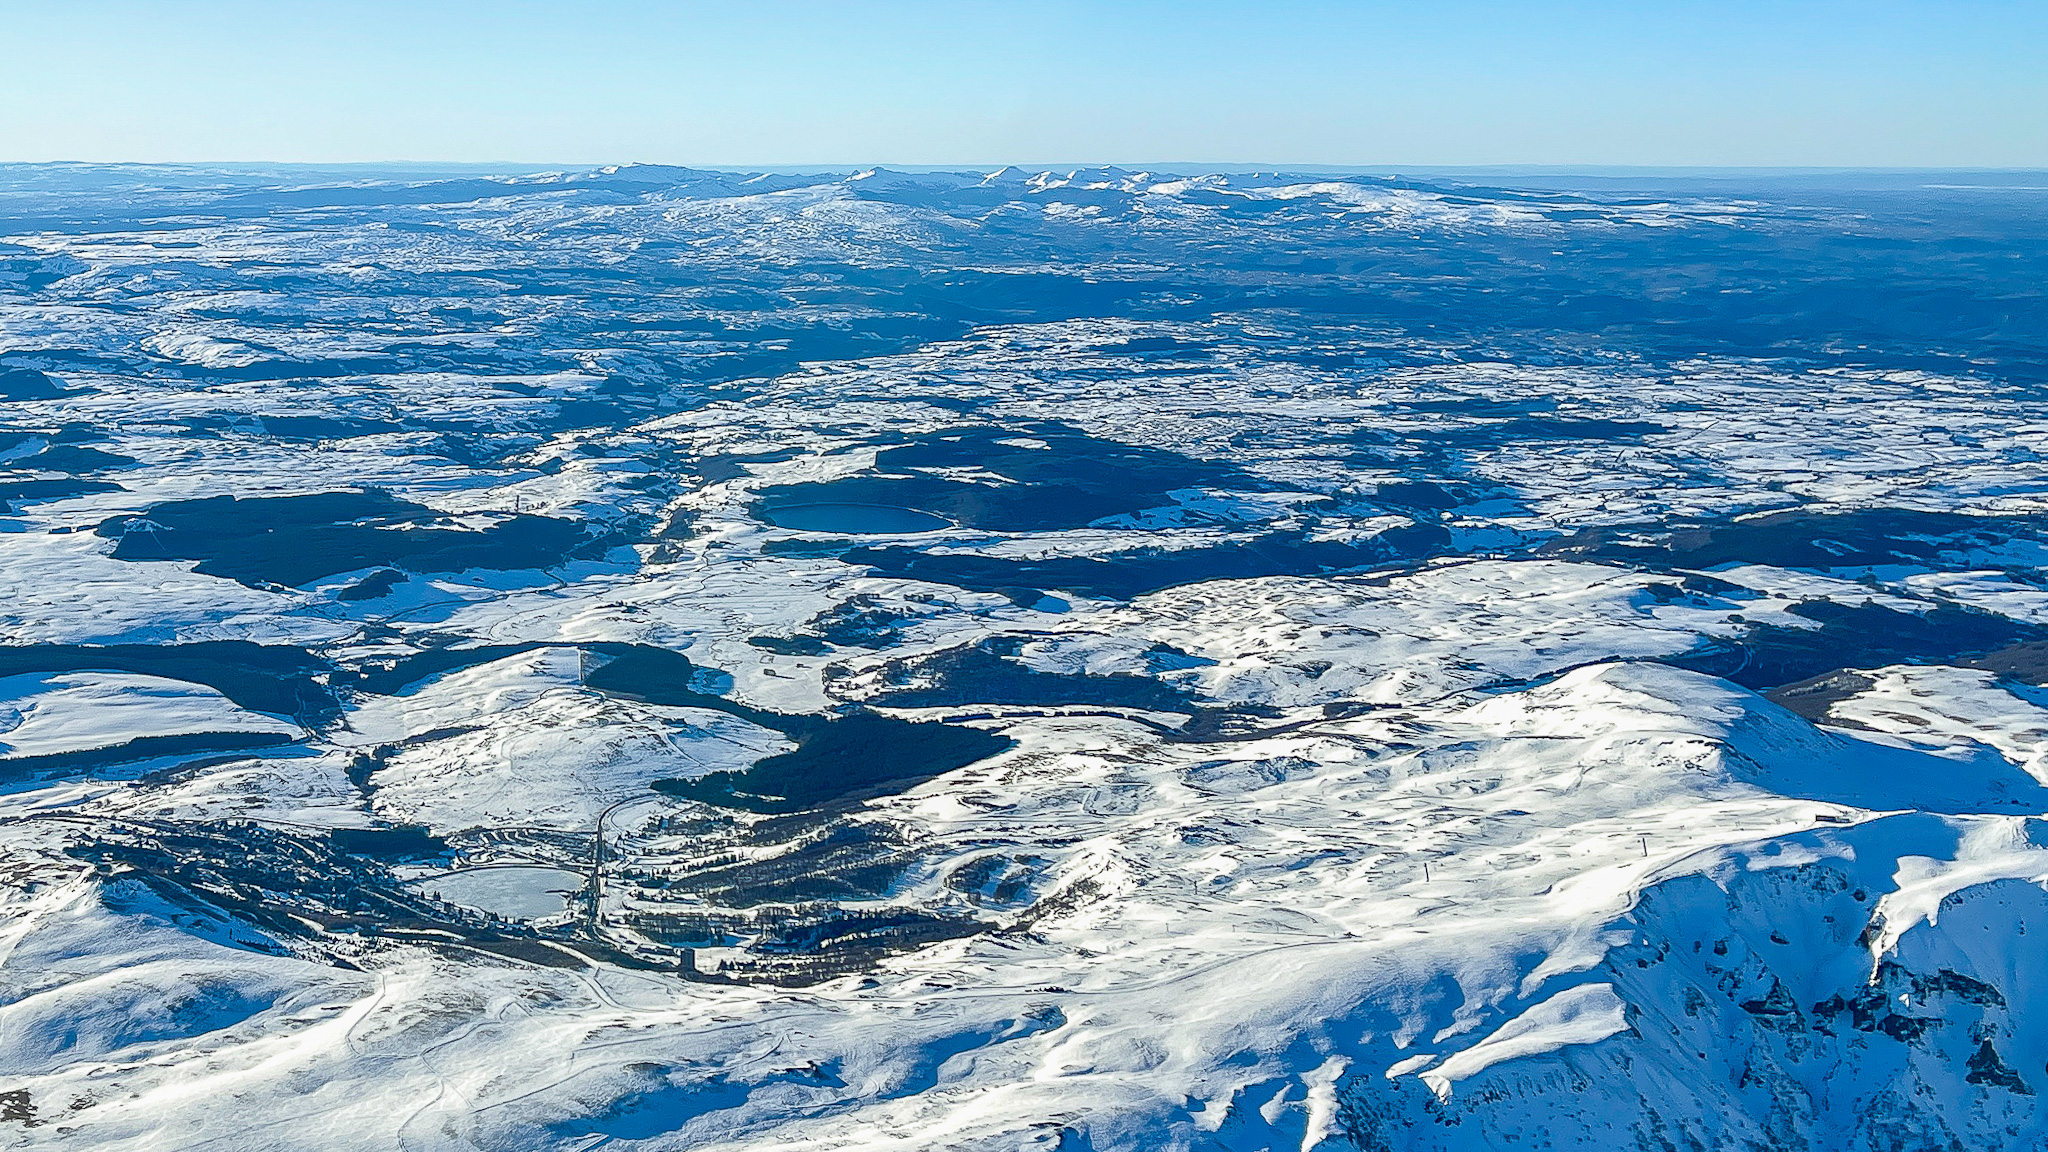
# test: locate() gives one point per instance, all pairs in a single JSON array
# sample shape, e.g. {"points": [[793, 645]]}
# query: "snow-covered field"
{"points": [[1256, 662]]}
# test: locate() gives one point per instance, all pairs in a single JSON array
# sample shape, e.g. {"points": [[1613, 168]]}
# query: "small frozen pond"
{"points": [[858, 519], [515, 892]]}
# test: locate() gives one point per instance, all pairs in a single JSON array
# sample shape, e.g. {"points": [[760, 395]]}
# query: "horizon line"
{"points": [[1197, 166]]}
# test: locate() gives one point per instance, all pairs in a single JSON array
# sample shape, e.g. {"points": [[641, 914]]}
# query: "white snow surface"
{"points": [[1431, 855], [1239, 935], [51, 714]]}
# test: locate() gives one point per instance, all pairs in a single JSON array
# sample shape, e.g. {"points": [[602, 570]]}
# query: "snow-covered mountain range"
{"points": [[652, 658]]}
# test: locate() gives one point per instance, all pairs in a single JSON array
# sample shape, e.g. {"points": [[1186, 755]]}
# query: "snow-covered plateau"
{"points": [[1090, 660]]}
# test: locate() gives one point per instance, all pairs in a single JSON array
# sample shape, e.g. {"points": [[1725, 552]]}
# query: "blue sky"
{"points": [[1427, 82]]}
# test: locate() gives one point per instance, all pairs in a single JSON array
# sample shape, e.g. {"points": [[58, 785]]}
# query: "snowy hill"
{"points": [[655, 658]]}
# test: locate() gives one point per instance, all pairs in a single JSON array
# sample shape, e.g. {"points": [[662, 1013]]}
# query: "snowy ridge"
{"points": [[1539, 903], [651, 658]]}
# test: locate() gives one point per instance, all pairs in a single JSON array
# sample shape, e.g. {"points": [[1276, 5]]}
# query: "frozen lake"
{"points": [[515, 892]]}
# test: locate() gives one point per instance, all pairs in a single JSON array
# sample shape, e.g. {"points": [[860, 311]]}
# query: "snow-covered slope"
{"points": [[660, 659]]}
